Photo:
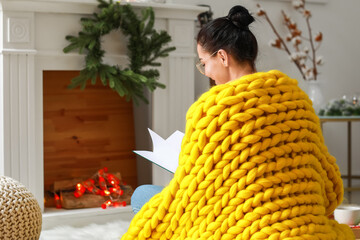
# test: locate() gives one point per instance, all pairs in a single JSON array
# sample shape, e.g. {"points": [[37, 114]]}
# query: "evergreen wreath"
{"points": [[145, 45]]}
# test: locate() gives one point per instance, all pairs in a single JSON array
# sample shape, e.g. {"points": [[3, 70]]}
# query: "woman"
{"points": [[227, 48], [253, 164]]}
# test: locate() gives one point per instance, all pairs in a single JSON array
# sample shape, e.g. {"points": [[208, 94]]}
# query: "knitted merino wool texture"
{"points": [[253, 165]]}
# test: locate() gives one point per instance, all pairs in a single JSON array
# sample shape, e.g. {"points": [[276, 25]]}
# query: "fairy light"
{"points": [[107, 192], [57, 200], [104, 184], [80, 190]]}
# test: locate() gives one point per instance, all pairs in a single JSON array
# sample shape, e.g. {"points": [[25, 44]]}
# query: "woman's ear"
{"points": [[224, 57]]}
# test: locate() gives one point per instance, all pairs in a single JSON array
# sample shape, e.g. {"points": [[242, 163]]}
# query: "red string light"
{"points": [[80, 190], [57, 200], [104, 184]]}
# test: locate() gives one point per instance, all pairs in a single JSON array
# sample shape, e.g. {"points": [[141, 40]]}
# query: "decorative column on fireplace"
{"points": [[32, 38]]}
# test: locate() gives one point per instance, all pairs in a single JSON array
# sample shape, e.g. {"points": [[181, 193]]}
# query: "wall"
{"points": [[338, 21]]}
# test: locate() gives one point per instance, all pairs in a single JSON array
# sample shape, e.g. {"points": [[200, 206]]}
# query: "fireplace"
{"points": [[32, 38], [85, 131]]}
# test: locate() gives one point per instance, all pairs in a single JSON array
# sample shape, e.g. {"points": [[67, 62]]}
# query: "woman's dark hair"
{"points": [[232, 34]]}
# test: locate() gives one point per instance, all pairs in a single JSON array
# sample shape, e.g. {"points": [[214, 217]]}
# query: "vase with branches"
{"points": [[304, 57]]}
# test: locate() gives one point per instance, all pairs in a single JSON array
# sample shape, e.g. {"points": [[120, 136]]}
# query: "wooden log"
{"points": [[49, 200], [90, 200], [64, 185], [70, 184], [128, 191]]}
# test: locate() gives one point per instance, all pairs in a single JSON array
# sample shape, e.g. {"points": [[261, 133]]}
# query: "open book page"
{"points": [[165, 151]]}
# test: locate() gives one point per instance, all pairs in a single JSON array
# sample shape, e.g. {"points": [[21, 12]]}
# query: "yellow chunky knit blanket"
{"points": [[253, 165]]}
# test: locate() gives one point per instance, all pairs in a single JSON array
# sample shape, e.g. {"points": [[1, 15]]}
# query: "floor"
{"points": [[53, 217], [86, 223], [107, 231]]}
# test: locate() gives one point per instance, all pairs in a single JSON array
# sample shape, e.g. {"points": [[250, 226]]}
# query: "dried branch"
{"points": [[297, 55]]}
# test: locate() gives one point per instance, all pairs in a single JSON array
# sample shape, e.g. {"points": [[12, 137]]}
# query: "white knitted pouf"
{"points": [[20, 213]]}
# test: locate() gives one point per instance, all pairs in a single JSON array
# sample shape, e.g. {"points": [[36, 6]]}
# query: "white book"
{"points": [[165, 151]]}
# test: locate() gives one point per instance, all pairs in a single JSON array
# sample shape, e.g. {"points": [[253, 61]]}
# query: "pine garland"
{"points": [[145, 46]]}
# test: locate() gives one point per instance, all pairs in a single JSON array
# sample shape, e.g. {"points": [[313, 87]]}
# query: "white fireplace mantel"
{"points": [[32, 37]]}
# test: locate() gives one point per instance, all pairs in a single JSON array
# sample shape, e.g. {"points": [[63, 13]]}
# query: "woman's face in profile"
{"points": [[213, 68]]}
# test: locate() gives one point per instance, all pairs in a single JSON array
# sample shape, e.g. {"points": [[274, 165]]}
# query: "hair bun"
{"points": [[240, 17]]}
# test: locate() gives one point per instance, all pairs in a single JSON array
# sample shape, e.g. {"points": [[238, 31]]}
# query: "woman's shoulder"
{"points": [[258, 80]]}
